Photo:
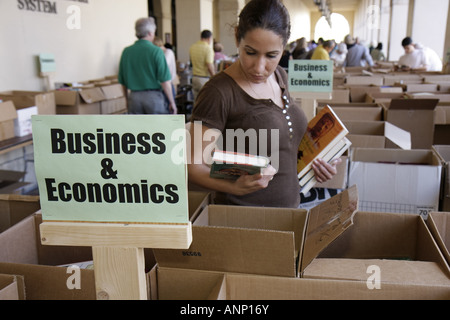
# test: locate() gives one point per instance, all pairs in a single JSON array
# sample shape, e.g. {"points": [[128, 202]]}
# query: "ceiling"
{"points": [[335, 5]]}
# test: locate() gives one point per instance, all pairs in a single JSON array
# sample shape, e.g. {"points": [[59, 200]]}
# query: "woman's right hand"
{"points": [[251, 183]]}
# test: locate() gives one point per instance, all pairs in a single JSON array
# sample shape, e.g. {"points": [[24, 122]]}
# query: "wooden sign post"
{"points": [[108, 183]]}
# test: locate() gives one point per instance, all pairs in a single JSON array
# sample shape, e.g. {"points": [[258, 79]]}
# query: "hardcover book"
{"points": [[231, 165], [309, 180], [323, 139]]}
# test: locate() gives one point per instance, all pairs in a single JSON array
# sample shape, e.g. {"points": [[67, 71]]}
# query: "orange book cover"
{"points": [[322, 133]]}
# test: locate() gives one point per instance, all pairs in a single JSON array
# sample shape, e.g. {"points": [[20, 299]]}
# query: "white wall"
{"points": [[90, 52], [429, 24], [300, 19]]}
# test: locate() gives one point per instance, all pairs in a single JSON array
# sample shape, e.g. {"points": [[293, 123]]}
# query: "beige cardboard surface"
{"points": [[357, 111], [45, 101], [242, 236], [327, 222], [405, 237], [189, 284], [11, 287], [439, 224], [8, 114], [14, 208], [377, 134], [415, 116]]}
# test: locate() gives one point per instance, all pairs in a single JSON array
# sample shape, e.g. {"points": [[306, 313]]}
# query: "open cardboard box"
{"points": [[399, 246], [44, 101], [415, 116], [395, 180], [190, 284], [355, 111], [12, 287], [377, 134], [8, 114], [21, 253], [115, 100], [262, 240], [80, 101], [358, 92], [14, 208]]}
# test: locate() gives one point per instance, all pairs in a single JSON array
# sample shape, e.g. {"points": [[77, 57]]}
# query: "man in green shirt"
{"points": [[144, 72]]}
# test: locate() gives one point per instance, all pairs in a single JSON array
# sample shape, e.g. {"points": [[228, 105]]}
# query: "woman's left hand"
{"points": [[325, 171]]}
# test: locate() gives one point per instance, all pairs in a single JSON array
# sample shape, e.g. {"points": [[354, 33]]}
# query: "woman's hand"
{"points": [[325, 171], [251, 183]]}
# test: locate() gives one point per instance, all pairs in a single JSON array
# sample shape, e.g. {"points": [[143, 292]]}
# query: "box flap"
{"points": [[400, 137], [112, 91], [326, 222], [416, 104], [92, 95], [7, 111], [64, 97]]}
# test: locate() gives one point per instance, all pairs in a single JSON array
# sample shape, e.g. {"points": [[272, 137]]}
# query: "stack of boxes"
{"points": [[382, 234]]}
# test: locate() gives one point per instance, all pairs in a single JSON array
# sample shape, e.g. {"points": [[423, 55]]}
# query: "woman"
{"points": [[250, 99]]}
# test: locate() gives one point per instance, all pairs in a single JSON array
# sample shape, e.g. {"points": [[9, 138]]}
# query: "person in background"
{"points": [[301, 49], [251, 96], [322, 52], [143, 70], [339, 55], [418, 58], [218, 52], [171, 63], [357, 54], [202, 58], [377, 53]]}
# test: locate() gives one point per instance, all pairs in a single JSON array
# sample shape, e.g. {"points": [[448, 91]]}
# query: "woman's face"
{"points": [[259, 53]]}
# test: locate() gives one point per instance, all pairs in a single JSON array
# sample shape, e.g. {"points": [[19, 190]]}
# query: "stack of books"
{"points": [[325, 138]]}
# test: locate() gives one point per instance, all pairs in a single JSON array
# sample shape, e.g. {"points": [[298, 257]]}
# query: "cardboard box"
{"points": [[44, 101], [22, 124], [443, 153], [377, 134], [442, 125], [358, 92], [14, 208], [419, 87], [22, 254], [8, 114], [439, 225], [338, 96], [251, 287], [81, 101], [374, 80], [406, 253], [383, 97], [395, 180], [115, 101], [261, 240], [11, 287], [415, 116], [356, 111], [402, 78]]}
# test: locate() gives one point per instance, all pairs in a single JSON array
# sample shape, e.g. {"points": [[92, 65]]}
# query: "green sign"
{"points": [[310, 76], [47, 62], [112, 168]]}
